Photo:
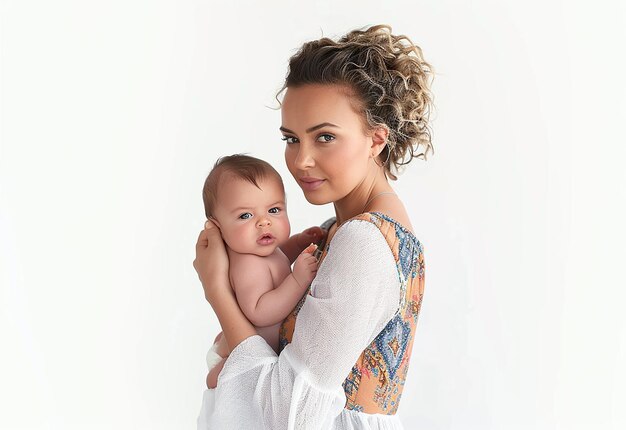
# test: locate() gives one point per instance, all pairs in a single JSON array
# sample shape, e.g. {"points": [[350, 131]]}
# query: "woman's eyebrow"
{"points": [[311, 129], [286, 130]]}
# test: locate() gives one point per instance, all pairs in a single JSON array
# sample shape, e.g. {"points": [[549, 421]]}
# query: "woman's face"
{"points": [[327, 149]]}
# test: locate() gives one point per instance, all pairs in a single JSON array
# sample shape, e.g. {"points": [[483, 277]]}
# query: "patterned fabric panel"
{"points": [[375, 384]]}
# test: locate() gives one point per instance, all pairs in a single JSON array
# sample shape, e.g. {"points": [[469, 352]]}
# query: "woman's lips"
{"points": [[310, 183]]}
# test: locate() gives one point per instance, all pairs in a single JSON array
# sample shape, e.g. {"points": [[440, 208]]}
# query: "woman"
{"points": [[353, 112]]}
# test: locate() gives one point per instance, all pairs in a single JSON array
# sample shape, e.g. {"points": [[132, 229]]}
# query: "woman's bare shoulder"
{"points": [[395, 210]]}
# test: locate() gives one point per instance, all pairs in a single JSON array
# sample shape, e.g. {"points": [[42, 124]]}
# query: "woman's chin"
{"points": [[316, 199]]}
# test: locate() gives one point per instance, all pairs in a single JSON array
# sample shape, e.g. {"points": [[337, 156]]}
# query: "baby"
{"points": [[245, 198]]}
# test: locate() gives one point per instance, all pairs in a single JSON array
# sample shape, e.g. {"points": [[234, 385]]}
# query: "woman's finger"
{"points": [[212, 231], [211, 260], [210, 234], [203, 240]]}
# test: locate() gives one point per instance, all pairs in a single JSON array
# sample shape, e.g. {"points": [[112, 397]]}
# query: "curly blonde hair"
{"points": [[390, 79]]}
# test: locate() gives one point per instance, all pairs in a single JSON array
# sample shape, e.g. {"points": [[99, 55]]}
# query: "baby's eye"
{"points": [[290, 139], [274, 210], [246, 215], [325, 137]]}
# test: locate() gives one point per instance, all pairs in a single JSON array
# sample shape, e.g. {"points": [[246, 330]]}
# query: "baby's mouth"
{"points": [[265, 239]]}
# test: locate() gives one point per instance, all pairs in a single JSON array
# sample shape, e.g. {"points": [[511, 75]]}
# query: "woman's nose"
{"points": [[304, 159]]}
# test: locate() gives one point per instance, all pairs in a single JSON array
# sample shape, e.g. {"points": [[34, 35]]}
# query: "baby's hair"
{"points": [[237, 166], [390, 79]]}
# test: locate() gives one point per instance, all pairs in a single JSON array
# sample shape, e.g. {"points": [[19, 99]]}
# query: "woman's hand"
{"points": [[299, 241], [211, 262], [309, 236]]}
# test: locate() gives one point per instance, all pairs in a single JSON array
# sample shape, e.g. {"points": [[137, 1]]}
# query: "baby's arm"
{"points": [[299, 241], [264, 305]]}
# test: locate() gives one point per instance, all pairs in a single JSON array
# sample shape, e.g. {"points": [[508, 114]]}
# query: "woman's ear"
{"points": [[380, 135]]}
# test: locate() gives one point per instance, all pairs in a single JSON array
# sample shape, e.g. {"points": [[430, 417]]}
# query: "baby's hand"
{"points": [[305, 267]]}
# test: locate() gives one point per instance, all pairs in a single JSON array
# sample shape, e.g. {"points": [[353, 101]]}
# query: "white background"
{"points": [[113, 113]]}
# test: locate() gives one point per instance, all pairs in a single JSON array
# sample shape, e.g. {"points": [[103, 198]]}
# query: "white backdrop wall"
{"points": [[113, 113]]}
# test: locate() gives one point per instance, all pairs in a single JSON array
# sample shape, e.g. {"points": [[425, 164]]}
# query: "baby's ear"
{"points": [[216, 222]]}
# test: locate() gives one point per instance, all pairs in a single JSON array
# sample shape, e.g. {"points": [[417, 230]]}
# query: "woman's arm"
{"points": [[355, 294], [211, 263]]}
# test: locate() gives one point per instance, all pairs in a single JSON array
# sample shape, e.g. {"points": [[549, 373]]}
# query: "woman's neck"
{"points": [[362, 197]]}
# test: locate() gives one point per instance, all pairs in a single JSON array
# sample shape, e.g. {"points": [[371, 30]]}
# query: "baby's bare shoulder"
{"points": [[245, 263], [247, 259], [251, 269]]}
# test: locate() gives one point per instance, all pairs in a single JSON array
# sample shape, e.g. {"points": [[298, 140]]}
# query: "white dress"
{"points": [[355, 294]]}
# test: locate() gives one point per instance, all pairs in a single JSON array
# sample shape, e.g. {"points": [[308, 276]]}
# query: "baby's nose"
{"points": [[264, 222]]}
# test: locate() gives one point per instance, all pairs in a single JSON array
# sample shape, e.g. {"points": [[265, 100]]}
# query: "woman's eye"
{"points": [[290, 139], [274, 210], [247, 215], [325, 137]]}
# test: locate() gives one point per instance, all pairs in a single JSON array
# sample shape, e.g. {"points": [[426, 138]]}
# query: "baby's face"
{"points": [[252, 220]]}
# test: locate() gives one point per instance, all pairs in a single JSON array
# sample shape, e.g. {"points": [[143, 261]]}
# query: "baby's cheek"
{"points": [[286, 228]]}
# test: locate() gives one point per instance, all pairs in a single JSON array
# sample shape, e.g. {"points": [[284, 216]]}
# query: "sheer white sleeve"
{"points": [[354, 295]]}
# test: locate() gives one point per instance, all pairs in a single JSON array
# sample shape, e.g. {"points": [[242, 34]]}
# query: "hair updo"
{"points": [[390, 79]]}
